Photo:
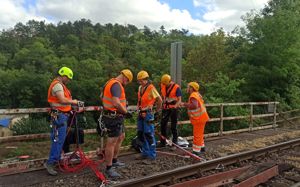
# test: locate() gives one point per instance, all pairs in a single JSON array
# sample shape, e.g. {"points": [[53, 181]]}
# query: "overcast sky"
{"points": [[197, 16]]}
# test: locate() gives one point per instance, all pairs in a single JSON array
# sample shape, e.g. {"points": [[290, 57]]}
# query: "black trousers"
{"points": [[166, 114], [66, 146]]}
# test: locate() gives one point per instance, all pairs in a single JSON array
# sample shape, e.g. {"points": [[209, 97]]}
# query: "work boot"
{"points": [[112, 173], [202, 149], [162, 144], [199, 154], [50, 169], [118, 164]]}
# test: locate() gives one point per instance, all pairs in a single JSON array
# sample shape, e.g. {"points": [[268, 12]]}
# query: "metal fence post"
{"points": [[251, 117], [221, 119], [275, 113], [176, 57]]}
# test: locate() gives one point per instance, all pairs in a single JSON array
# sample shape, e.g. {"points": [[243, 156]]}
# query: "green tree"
{"points": [[272, 70], [208, 58]]}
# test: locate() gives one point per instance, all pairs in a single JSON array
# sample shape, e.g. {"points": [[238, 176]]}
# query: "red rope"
{"points": [[66, 164]]}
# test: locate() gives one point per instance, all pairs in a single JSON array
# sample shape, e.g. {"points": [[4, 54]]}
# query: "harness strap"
{"points": [[142, 93]]}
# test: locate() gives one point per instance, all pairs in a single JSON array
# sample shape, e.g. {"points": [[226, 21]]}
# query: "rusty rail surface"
{"points": [[198, 168], [230, 178]]}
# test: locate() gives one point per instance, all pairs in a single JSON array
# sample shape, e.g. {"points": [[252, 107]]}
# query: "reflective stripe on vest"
{"points": [[54, 101], [107, 96], [58, 104], [145, 100], [196, 112], [196, 148], [199, 113], [172, 94]]}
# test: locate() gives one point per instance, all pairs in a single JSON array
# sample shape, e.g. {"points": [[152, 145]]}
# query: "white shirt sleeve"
{"points": [[57, 88]]}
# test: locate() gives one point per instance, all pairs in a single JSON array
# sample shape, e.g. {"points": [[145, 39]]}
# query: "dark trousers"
{"points": [[71, 123], [166, 114]]}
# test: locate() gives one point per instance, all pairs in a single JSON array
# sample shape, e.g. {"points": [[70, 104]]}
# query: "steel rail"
{"points": [[186, 171]]}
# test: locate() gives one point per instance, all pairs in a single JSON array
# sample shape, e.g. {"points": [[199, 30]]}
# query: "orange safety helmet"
{"points": [[142, 75], [194, 85], [165, 79], [128, 74]]}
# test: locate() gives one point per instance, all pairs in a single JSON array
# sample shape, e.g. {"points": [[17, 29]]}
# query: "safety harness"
{"points": [[168, 91]]}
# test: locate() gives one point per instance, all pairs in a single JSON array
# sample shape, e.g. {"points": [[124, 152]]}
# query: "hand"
{"points": [[74, 102], [182, 104]]}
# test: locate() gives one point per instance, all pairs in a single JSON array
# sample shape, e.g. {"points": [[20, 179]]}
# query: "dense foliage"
{"points": [[257, 63]]}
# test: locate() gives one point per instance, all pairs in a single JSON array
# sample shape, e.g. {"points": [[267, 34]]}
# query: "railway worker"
{"points": [[198, 116], [114, 111], [60, 100], [147, 97], [171, 96]]}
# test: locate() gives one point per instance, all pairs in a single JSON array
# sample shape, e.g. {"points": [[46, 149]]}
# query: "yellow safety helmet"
{"points": [[142, 75], [128, 74], [65, 71], [194, 85], [165, 79]]}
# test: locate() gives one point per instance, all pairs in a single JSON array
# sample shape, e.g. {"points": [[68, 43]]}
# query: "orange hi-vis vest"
{"points": [[169, 94], [53, 100], [144, 99], [107, 96], [199, 113]]}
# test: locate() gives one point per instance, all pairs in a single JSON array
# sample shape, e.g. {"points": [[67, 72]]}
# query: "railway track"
{"points": [[170, 177], [14, 167], [151, 177]]}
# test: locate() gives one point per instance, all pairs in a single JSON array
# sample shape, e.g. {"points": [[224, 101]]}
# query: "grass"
{"points": [[258, 143]]}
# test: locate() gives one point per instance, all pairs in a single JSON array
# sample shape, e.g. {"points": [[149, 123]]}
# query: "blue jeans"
{"points": [[56, 146], [147, 131]]}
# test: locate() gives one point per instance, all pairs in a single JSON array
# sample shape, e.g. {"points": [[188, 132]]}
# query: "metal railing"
{"points": [[251, 116]]}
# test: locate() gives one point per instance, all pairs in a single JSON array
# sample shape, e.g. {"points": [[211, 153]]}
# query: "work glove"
{"points": [[80, 103], [128, 115]]}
